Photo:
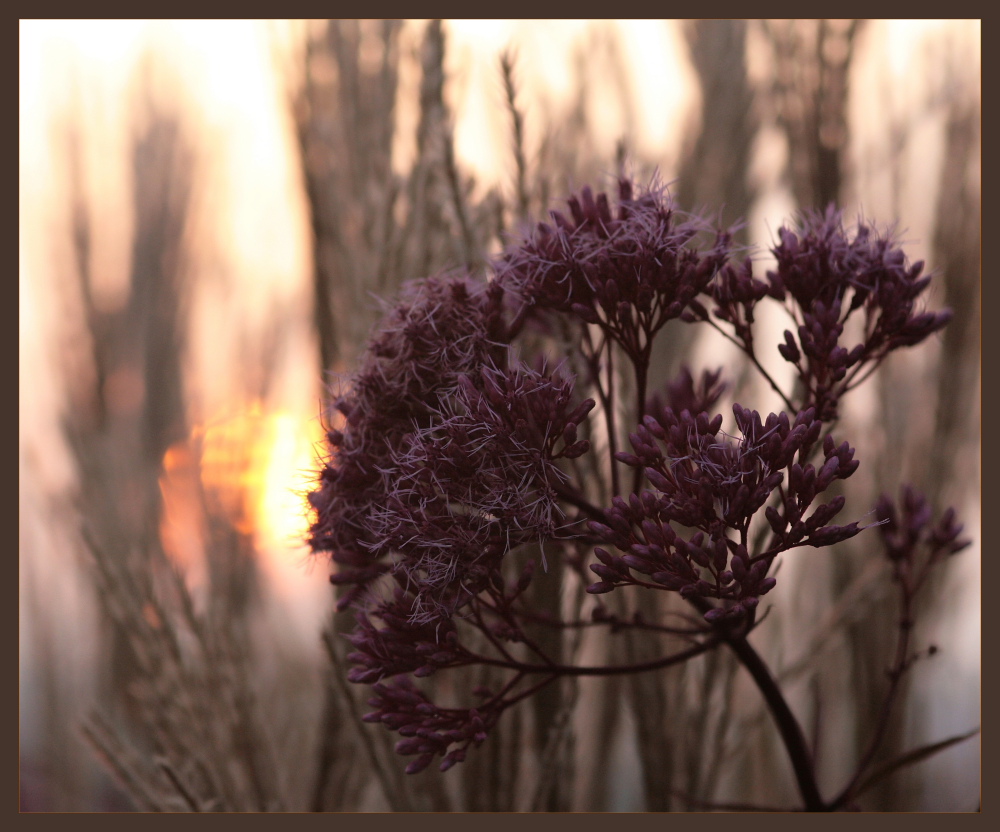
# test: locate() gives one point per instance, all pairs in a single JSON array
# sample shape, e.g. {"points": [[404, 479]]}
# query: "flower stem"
{"points": [[788, 726]]}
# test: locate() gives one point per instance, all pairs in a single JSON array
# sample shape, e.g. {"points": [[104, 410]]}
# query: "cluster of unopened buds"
{"points": [[482, 437]]}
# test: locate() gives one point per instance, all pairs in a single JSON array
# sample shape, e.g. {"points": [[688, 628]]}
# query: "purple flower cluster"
{"points": [[477, 481], [716, 485], [441, 329], [455, 449], [906, 528], [829, 274], [427, 729], [684, 393], [402, 644], [628, 271], [448, 458]]}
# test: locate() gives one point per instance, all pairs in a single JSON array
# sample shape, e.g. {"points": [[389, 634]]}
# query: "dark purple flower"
{"points": [[428, 730], [456, 446], [441, 328], [906, 528], [827, 274], [716, 484], [736, 292], [479, 479], [683, 393], [628, 270]]}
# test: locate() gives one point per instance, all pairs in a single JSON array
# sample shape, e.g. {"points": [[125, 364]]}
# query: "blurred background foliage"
{"points": [[209, 213]]}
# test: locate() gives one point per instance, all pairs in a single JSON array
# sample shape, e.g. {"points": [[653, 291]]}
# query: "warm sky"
{"points": [[223, 72]]}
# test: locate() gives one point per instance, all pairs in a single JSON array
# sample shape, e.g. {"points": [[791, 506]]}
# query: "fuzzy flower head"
{"points": [[429, 730], [479, 479], [458, 457], [441, 328], [716, 484], [627, 269], [828, 273], [906, 528]]}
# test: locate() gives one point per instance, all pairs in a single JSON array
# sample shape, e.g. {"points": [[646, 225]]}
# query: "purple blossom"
{"points": [[456, 446], [479, 479], [427, 729], [906, 528], [441, 328], [683, 393], [717, 484], [628, 271], [828, 274]]}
